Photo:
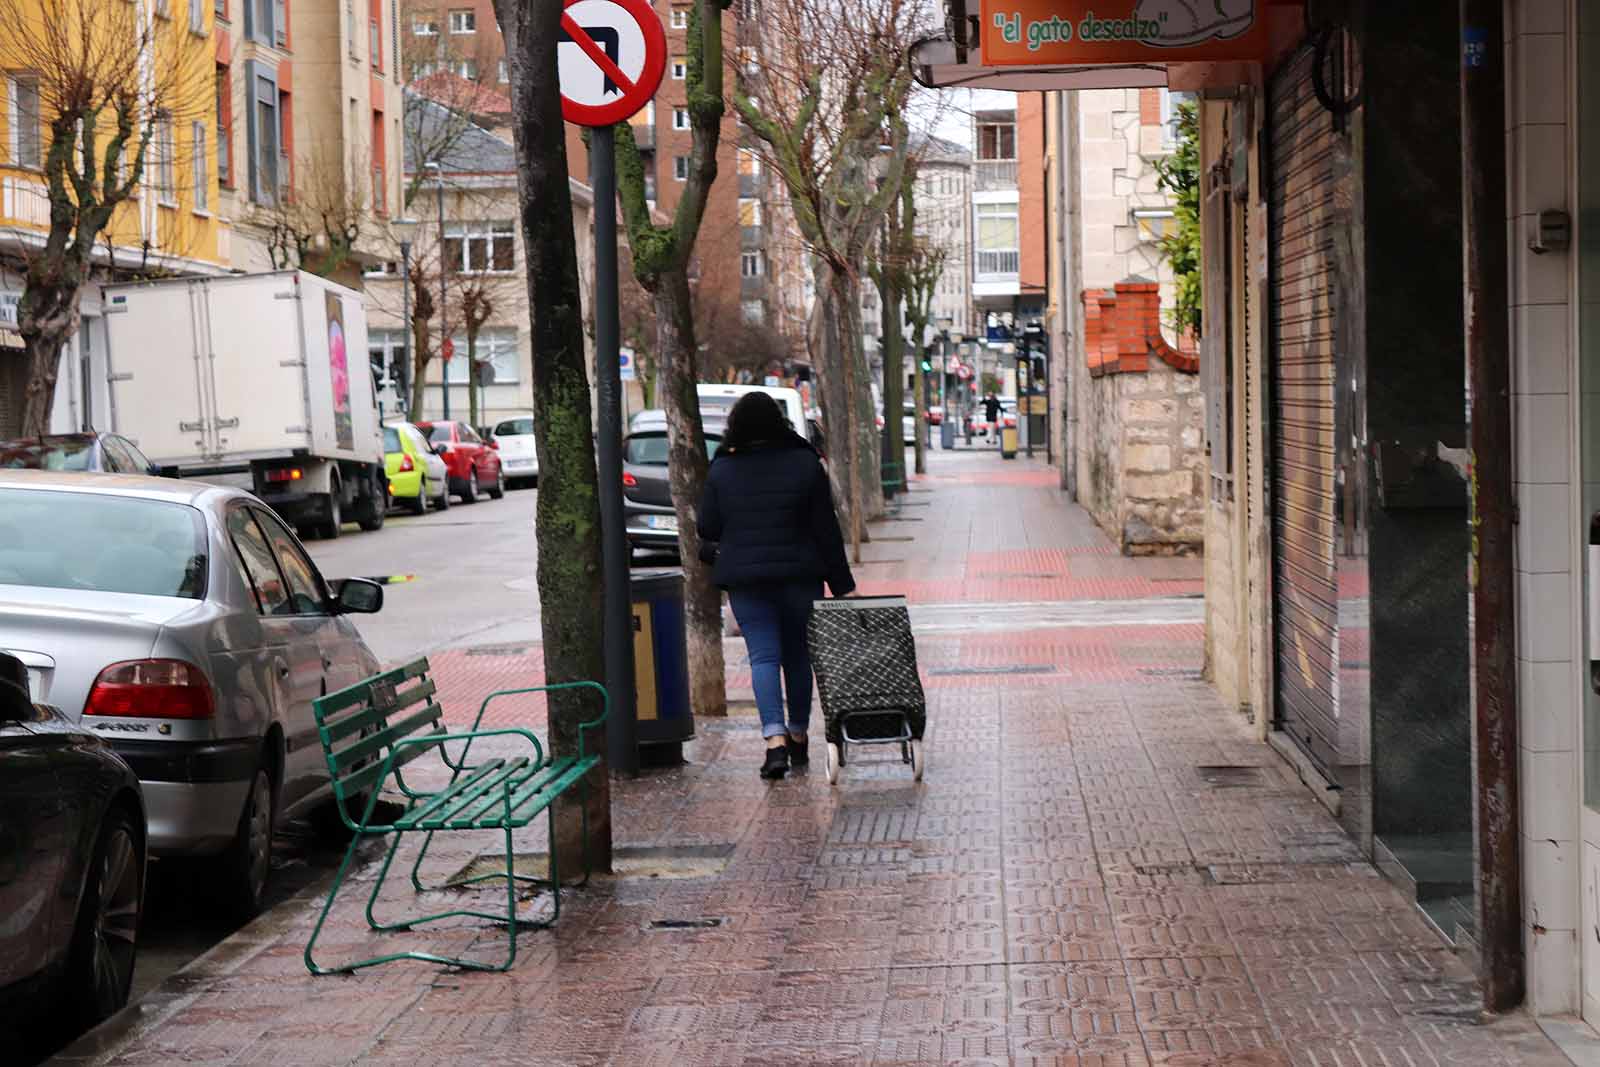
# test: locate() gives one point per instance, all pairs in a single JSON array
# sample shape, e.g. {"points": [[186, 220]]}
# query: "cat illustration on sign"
{"points": [[1191, 22]]}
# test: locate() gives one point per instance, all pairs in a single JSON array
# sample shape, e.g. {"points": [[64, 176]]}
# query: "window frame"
{"points": [[468, 17], [14, 126], [268, 521], [680, 118], [200, 200], [245, 570], [680, 168], [680, 17], [492, 233]]}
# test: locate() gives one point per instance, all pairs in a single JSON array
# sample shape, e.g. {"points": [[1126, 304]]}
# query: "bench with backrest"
{"points": [[376, 728]]}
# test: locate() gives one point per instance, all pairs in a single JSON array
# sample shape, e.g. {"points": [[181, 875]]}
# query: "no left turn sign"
{"points": [[610, 59]]}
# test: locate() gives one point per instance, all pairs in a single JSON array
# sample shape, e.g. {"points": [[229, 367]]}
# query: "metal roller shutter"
{"points": [[1302, 348]]}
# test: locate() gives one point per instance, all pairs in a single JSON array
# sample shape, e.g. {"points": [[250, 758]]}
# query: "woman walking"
{"points": [[768, 509]]}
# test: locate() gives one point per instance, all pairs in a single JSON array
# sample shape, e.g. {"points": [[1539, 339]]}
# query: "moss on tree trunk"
{"points": [[567, 523]]}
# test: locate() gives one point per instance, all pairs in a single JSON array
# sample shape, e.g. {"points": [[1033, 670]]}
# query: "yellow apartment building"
{"points": [[161, 49]]}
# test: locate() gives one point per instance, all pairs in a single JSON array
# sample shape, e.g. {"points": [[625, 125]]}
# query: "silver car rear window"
{"points": [[101, 543]]}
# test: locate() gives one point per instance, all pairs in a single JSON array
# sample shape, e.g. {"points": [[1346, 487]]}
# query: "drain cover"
{"points": [[1229, 777], [684, 924], [498, 650], [1010, 668]]}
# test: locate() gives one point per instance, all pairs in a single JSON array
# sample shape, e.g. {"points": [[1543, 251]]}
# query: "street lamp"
{"points": [[405, 230], [445, 343]]}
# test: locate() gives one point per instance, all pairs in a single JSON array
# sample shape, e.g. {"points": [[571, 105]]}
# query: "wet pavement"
{"points": [[1102, 868]]}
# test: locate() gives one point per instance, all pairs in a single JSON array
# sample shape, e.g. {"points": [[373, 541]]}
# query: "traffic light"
{"points": [[927, 365]]}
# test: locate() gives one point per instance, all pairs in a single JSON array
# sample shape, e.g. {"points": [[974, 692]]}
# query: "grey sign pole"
{"points": [[621, 728]]}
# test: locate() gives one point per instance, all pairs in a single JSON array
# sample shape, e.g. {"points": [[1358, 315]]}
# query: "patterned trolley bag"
{"points": [[865, 660]]}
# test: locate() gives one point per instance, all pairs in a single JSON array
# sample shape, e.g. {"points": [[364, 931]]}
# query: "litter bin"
{"points": [[660, 666], [947, 430], [1008, 442]]}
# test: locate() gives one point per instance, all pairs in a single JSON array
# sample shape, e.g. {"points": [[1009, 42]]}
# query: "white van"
{"points": [[723, 397]]}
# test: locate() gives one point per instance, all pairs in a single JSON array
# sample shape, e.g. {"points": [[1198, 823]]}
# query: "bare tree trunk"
{"points": [[49, 318], [567, 524], [869, 498], [686, 472], [419, 369], [472, 380], [919, 405], [893, 345]]}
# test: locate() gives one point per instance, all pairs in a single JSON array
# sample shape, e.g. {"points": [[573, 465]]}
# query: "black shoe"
{"points": [[777, 762], [799, 751]]}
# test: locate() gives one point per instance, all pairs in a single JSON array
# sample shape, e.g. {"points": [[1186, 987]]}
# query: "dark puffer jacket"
{"points": [[770, 510]]}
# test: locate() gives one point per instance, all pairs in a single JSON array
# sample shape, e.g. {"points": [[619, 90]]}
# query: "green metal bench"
{"points": [[375, 728]]}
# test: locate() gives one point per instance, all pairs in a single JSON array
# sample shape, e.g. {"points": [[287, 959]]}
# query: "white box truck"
{"points": [[258, 373]]}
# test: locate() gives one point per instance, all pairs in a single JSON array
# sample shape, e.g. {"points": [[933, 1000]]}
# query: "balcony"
{"points": [[994, 175], [644, 136], [751, 237], [997, 264], [752, 287], [750, 185]]}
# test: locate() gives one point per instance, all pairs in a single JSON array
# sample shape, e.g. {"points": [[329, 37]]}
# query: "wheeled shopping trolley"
{"points": [[865, 660]]}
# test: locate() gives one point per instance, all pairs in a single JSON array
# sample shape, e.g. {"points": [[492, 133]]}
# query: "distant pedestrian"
{"points": [[991, 414], [768, 509]]}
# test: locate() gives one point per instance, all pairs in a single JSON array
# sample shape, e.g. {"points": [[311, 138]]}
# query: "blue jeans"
{"points": [[773, 618]]}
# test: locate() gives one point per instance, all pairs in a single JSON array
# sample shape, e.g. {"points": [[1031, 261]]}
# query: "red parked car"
{"points": [[472, 465]]}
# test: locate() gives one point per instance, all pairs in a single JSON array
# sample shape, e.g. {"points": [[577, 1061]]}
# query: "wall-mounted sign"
{"points": [[1069, 32]]}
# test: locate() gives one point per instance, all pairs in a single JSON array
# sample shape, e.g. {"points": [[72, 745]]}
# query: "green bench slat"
{"points": [[360, 720], [529, 799], [352, 695], [356, 781], [521, 813], [492, 809], [485, 777], [411, 724]]}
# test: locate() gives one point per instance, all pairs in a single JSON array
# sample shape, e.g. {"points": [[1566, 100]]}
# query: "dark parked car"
{"points": [[646, 498], [473, 466], [72, 863], [105, 452]]}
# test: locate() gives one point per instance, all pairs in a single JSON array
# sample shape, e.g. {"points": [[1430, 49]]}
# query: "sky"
{"points": [[949, 111]]}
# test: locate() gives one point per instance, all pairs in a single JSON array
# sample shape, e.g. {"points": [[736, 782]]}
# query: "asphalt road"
{"points": [[472, 571]]}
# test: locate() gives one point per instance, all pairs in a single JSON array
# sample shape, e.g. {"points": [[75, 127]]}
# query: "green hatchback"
{"points": [[416, 473]]}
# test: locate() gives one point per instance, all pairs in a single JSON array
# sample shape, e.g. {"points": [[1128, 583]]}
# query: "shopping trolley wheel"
{"points": [[835, 761], [918, 761]]}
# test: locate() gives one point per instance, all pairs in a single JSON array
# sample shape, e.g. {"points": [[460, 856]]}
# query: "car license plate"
{"points": [[662, 522]]}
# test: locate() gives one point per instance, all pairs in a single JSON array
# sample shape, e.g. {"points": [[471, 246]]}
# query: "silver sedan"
{"points": [[185, 623]]}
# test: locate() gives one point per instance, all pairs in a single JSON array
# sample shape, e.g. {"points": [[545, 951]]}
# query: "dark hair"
{"points": [[755, 418]]}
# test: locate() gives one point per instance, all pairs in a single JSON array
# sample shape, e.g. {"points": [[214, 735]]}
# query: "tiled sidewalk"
{"points": [[1101, 869]]}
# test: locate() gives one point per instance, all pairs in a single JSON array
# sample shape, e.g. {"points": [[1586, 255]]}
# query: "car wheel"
{"points": [[470, 494], [419, 503], [499, 489], [329, 527], [248, 859], [105, 934]]}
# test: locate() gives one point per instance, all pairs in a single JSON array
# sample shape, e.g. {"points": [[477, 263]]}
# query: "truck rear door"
{"points": [[156, 379]]}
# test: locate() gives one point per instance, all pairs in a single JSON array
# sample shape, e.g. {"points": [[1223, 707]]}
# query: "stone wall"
{"points": [[1143, 464]]}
